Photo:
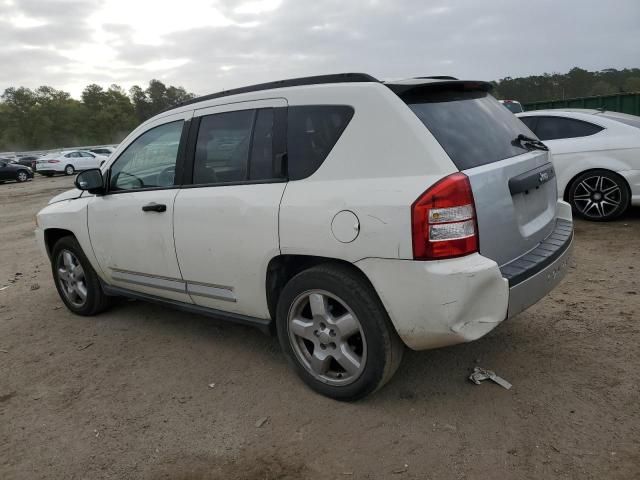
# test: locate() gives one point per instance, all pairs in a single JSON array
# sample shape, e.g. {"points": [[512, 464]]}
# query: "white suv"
{"points": [[348, 215]]}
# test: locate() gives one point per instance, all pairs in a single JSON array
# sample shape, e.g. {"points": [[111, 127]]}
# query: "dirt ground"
{"points": [[126, 394]]}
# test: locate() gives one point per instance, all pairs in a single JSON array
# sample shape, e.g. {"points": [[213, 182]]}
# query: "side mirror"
{"points": [[90, 180]]}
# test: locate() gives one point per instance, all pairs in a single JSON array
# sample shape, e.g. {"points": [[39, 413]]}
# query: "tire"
{"points": [[599, 195], [67, 255], [22, 176], [313, 343], [69, 170]]}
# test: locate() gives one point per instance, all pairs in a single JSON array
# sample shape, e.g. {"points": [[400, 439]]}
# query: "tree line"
{"points": [[48, 118], [576, 83]]}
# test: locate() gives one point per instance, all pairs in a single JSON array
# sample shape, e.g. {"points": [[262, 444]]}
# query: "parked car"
{"points": [[351, 216], [28, 161], [104, 151], [68, 162], [14, 171], [596, 156], [513, 106]]}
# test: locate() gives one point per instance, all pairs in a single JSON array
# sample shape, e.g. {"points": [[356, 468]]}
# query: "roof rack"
{"points": [[437, 77], [293, 82]]}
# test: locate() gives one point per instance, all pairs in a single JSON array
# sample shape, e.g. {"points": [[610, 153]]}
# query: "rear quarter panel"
{"points": [[384, 160]]}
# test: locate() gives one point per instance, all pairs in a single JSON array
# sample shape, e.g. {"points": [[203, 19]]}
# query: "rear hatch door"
{"points": [[513, 181]]}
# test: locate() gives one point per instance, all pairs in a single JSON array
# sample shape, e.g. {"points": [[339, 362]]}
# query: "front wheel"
{"points": [[599, 195], [76, 280], [69, 170], [336, 333], [22, 176]]}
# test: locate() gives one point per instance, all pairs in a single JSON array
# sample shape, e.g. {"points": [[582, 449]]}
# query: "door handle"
{"points": [[154, 207]]}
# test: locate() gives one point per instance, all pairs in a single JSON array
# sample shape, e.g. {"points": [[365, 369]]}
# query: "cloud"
{"points": [[209, 45]]}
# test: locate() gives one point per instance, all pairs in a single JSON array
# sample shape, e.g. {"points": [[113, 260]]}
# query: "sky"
{"points": [[211, 45]]}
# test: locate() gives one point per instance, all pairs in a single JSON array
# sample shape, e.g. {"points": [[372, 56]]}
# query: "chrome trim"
{"points": [[145, 280], [216, 292], [199, 289]]}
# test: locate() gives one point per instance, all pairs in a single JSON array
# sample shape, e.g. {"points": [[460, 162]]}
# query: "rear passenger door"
{"points": [[226, 214]]}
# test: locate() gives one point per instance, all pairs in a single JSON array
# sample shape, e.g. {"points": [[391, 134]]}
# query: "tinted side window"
{"points": [[552, 128], [530, 122], [150, 161], [222, 147], [261, 164], [312, 131]]}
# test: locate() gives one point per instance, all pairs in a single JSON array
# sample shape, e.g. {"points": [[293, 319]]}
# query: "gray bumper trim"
{"points": [[539, 281], [552, 247]]}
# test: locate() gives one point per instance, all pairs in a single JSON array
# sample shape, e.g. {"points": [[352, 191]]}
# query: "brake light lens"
{"points": [[53, 161], [444, 220]]}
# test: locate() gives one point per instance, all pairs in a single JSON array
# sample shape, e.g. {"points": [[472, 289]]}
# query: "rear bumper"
{"points": [[439, 303], [538, 272]]}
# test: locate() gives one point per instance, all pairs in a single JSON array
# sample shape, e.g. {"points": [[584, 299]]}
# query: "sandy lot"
{"points": [[126, 394]]}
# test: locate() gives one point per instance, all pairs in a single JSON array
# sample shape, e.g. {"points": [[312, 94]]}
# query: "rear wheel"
{"points": [[22, 176], [69, 170], [599, 195], [76, 280], [336, 333]]}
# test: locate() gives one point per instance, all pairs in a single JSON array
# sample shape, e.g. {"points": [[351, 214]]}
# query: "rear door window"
{"points": [[312, 132], [471, 126], [261, 162], [554, 128], [222, 148]]}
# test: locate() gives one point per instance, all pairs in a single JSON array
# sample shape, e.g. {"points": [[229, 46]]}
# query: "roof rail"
{"points": [[292, 82], [438, 77]]}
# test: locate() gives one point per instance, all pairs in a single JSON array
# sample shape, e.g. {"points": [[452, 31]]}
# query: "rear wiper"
{"points": [[530, 142]]}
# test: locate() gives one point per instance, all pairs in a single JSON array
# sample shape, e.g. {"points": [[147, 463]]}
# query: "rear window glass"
{"points": [[312, 131], [472, 126], [623, 118]]}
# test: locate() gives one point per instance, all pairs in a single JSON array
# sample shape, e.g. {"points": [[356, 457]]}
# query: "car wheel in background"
{"points": [[69, 170], [22, 176], [76, 280], [599, 195], [336, 333]]}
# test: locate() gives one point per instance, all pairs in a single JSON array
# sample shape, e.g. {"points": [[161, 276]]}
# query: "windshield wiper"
{"points": [[530, 142]]}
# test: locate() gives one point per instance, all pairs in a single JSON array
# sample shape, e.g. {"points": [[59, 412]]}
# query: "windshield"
{"points": [[472, 126], [514, 107]]}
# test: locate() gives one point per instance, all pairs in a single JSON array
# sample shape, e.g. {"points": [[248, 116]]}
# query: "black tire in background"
{"points": [[22, 176], [96, 301], [347, 292], [69, 170], [599, 195]]}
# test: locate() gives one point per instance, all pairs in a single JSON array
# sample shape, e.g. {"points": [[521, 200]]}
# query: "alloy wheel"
{"points": [[22, 177], [71, 278], [327, 337], [597, 196], [69, 170]]}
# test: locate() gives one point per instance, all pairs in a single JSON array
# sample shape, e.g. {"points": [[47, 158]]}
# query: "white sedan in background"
{"points": [[68, 162], [596, 155]]}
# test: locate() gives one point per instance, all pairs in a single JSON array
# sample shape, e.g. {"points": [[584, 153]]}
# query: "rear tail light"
{"points": [[444, 220], [53, 161]]}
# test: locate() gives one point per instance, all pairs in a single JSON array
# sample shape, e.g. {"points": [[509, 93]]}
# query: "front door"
{"points": [[226, 223], [5, 171], [131, 226]]}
